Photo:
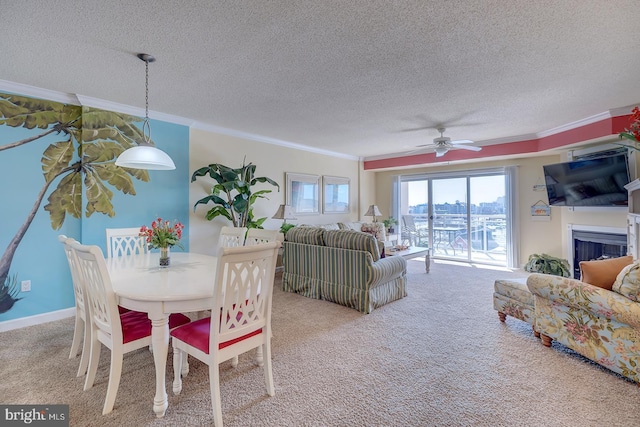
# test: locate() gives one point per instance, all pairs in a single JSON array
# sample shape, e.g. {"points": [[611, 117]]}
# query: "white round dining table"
{"points": [[185, 286]]}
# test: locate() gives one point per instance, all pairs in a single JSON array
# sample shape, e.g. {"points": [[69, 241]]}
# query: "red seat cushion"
{"points": [[136, 324], [196, 334]]}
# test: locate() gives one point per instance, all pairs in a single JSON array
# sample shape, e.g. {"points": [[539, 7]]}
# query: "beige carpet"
{"points": [[439, 357]]}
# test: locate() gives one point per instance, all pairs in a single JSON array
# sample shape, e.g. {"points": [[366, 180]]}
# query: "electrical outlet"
{"points": [[25, 285]]}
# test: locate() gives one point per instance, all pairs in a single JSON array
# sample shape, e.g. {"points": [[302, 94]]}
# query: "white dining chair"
{"points": [[231, 237], [257, 236], [120, 332], [125, 241], [81, 330], [241, 319]]}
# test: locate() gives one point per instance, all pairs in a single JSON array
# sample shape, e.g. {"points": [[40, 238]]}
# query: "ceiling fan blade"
{"points": [[420, 149], [469, 147], [462, 141], [416, 129]]}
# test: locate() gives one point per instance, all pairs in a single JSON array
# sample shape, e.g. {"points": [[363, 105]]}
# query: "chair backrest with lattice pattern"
{"points": [[231, 237], [257, 236], [99, 295], [243, 290], [125, 241]]}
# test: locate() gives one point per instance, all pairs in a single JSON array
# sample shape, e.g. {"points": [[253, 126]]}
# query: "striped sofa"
{"points": [[341, 266]]}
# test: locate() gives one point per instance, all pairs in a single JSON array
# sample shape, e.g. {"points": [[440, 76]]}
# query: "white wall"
{"points": [[271, 161]]}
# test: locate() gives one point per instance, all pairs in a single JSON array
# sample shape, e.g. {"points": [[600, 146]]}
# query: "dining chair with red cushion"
{"points": [[80, 331], [120, 332], [243, 289]]}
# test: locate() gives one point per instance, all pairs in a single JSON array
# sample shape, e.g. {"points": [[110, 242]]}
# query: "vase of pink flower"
{"points": [[163, 235]]}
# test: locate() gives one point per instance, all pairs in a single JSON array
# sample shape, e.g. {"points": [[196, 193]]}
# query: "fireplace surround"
{"points": [[591, 242]]}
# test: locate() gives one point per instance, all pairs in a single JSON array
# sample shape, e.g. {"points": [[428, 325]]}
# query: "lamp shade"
{"points": [[284, 212], [373, 211], [145, 157]]}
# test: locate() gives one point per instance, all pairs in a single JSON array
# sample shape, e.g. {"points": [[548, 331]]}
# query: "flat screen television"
{"points": [[597, 181]]}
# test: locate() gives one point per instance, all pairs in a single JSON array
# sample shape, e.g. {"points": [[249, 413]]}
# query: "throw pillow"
{"points": [[628, 282], [350, 225], [602, 273], [355, 240], [306, 235]]}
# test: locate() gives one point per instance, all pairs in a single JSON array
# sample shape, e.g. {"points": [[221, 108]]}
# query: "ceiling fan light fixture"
{"points": [[441, 150], [145, 155]]}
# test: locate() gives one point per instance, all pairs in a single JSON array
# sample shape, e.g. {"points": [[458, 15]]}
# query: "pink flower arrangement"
{"points": [[162, 234], [633, 133]]}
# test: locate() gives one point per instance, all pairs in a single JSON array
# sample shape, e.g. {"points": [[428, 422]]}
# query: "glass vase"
{"points": [[165, 257]]}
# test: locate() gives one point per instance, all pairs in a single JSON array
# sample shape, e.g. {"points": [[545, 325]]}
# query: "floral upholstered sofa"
{"points": [[341, 266], [600, 324]]}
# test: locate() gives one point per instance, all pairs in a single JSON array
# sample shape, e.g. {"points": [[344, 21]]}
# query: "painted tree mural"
{"points": [[90, 142]]}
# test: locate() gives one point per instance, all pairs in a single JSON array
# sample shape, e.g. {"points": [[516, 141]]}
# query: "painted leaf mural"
{"points": [[90, 142]]}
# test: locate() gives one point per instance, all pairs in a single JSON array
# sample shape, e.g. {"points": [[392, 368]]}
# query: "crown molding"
{"points": [[574, 125], [268, 140], [81, 100], [51, 95], [87, 101], [623, 111]]}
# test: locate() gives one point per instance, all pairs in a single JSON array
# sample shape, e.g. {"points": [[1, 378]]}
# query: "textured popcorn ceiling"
{"points": [[351, 77]]}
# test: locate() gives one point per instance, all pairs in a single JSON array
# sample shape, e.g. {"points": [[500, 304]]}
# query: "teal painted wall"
{"points": [[39, 256]]}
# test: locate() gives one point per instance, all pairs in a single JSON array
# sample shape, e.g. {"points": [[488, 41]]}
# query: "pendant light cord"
{"points": [[146, 128]]}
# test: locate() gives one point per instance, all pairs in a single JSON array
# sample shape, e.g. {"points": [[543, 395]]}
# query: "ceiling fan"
{"points": [[442, 144]]}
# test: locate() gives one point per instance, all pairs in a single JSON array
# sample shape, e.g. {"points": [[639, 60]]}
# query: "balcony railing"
{"points": [[450, 236]]}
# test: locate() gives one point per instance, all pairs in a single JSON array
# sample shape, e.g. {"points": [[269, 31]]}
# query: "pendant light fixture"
{"points": [[145, 155]]}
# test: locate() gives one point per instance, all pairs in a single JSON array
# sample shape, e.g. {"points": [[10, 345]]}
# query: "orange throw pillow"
{"points": [[602, 273]]}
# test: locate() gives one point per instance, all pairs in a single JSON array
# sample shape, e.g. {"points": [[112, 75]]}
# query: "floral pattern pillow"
{"points": [[628, 282]]}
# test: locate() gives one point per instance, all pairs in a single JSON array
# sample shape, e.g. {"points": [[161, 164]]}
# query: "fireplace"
{"points": [[590, 245]]}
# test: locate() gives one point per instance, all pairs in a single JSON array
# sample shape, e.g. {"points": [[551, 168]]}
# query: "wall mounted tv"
{"points": [[597, 181]]}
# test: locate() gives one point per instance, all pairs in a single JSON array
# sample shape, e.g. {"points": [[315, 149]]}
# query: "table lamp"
{"points": [[374, 212], [284, 212]]}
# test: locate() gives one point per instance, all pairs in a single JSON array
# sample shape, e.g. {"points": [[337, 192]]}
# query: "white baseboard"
{"points": [[37, 319]]}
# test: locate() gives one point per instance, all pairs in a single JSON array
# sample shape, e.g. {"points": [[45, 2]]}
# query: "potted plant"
{"points": [[286, 226], [232, 194], [389, 223], [547, 264]]}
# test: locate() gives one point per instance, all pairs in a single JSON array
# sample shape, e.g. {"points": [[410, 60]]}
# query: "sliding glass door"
{"points": [[449, 220], [463, 216]]}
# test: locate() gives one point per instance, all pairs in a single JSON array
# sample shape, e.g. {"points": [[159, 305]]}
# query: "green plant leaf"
{"points": [[98, 195], [30, 113], [116, 176], [65, 199], [57, 157], [218, 211], [234, 185]]}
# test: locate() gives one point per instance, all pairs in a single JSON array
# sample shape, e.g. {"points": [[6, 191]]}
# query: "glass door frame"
{"points": [[511, 218]]}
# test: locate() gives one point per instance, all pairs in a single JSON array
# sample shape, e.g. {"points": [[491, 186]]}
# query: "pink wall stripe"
{"points": [[608, 127]]}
